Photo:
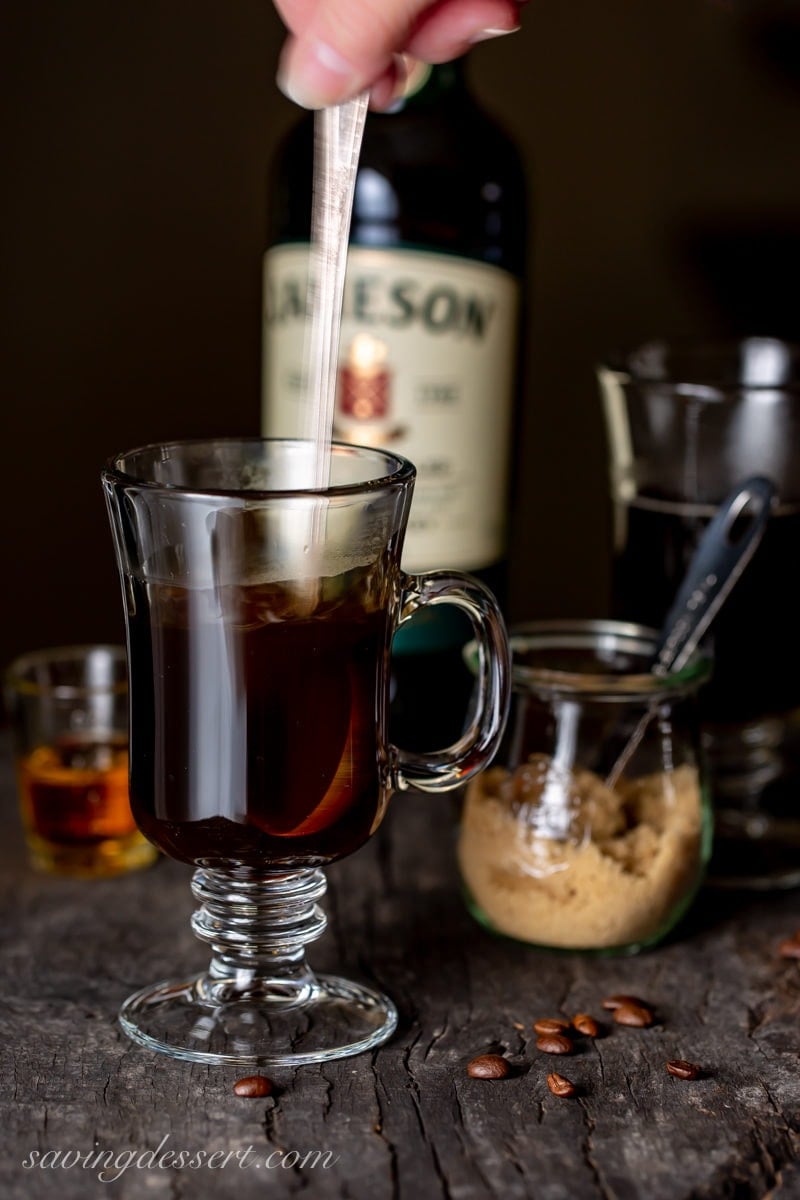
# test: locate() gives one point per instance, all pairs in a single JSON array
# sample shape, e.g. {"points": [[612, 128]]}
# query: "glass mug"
{"points": [[260, 619], [686, 423]]}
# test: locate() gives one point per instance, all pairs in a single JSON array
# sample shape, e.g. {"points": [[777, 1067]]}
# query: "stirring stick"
{"points": [[337, 141], [338, 133]]}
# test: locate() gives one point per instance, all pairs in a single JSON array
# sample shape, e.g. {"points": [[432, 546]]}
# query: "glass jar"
{"points": [[592, 828]]}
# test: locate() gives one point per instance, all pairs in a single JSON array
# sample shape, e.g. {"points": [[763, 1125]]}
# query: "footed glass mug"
{"points": [[260, 619]]}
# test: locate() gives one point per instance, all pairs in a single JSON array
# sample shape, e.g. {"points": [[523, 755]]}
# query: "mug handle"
{"points": [[442, 770]]}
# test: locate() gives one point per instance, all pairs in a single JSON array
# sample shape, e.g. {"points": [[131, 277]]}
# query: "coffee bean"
{"points": [[253, 1085], [554, 1043], [612, 1002], [586, 1025], [488, 1066], [790, 947], [548, 1025], [560, 1086], [682, 1069], [635, 1015]]}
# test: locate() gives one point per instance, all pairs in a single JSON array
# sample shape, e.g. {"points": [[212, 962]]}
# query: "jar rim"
{"points": [[605, 637]]}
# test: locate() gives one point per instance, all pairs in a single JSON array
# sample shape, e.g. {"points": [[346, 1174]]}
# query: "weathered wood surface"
{"points": [[406, 1122]]}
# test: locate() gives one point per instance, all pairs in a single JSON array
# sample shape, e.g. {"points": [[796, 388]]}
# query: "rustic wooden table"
{"points": [[405, 1122]]}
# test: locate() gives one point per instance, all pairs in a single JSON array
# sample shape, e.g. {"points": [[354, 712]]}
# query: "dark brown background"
{"points": [[135, 145]]}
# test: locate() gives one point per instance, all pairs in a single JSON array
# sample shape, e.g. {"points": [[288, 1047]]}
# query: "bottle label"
{"points": [[426, 370]]}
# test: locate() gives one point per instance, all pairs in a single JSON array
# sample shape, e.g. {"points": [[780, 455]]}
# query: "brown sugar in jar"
{"points": [[549, 853]]}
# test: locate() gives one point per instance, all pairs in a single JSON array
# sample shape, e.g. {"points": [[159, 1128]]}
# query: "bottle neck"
{"points": [[428, 86]]}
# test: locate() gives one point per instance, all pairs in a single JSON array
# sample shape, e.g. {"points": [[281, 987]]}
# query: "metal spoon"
{"points": [[338, 133], [722, 554]]}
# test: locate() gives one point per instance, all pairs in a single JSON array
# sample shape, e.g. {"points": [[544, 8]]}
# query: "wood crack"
{"points": [[598, 1051], [271, 1113], [437, 1037], [327, 1103], [394, 1175], [759, 1167], [703, 1005], [414, 1092], [587, 1151], [753, 1022], [766, 1159]]}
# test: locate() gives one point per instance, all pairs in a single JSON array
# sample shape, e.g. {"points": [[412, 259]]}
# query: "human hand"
{"points": [[339, 48]]}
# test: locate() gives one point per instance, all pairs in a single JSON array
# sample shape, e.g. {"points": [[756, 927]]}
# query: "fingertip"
{"points": [[314, 75]]}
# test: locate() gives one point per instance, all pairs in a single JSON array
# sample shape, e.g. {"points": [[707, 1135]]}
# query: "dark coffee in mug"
{"points": [[258, 732]]}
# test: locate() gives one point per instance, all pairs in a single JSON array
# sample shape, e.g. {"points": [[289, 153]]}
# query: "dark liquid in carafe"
{"points": [[756, 634], [257, 721]]}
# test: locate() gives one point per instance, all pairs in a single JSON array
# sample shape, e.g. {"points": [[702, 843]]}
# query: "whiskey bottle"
{"points": [[429, 348]]}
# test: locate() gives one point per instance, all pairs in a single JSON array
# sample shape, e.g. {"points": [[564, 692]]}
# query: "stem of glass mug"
{"points": [[258, 931]]}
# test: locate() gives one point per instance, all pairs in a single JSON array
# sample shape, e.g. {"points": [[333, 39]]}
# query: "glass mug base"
{"points": [[327, 1018], [259, 1003]]}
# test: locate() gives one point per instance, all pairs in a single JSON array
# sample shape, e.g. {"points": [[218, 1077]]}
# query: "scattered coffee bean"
{"points": [[586, 1025], [790, 947], [488, 1066], [682, 1069], [638, 1016], [612, 1002], [554, 1043], [548, 1025], [560, 1086], [253, 1085]]}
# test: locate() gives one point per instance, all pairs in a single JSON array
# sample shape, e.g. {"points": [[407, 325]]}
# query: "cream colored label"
{"points": [[426, 370]]}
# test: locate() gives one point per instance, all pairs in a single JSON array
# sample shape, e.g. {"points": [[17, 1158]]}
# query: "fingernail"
{"points": [[485, 35], [314, 75], [390, 88]]}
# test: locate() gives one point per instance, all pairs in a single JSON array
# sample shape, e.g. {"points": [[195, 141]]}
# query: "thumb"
{"points": [[339, 48]]}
